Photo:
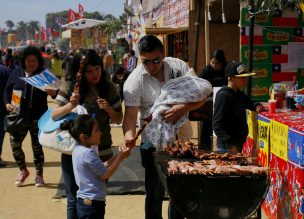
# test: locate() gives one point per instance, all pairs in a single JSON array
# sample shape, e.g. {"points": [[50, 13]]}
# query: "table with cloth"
{"points": [[279, 139]]}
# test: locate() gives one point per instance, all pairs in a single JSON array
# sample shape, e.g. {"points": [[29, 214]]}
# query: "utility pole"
{"points": [[250, 48]]}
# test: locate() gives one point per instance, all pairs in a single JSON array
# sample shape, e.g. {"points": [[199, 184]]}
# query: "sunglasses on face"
{"points": [[153, 61]]}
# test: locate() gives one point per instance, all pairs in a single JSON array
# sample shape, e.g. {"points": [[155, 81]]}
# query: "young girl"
{"points": [[90, 173]]}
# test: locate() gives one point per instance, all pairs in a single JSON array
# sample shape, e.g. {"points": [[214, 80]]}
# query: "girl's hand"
{"points": [[124, 151], [74, 100], [9, 107], [51, 92], [103, 104]]}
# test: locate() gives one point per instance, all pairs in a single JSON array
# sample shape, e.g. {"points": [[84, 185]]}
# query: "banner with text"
{"points": [[279, 139], [44, 80], [263, 142]]}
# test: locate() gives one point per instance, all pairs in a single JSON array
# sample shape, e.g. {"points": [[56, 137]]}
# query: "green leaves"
{"points": [[271, 6]]}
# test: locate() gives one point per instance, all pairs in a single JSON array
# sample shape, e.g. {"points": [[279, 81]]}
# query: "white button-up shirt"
{"points": [[141, 89]]}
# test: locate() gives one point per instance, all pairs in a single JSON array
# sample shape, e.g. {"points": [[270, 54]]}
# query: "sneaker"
{"points": [[39, 182], [24, 173]]}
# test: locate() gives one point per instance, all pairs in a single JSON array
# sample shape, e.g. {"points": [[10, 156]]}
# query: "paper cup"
{"points": [[272, 106]]}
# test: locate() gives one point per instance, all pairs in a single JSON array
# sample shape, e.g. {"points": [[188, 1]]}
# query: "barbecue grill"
{"points": [[212, 196]]}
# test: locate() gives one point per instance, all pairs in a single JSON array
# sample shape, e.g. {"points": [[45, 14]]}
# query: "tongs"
{"points": [[146, 121], [138, 133]]}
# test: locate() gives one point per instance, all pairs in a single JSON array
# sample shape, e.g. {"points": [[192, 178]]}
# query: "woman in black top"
{"points": [[215, 74], [33, 103]]}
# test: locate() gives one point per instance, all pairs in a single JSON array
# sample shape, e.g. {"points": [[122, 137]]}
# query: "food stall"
{"points": [[285, 198]]}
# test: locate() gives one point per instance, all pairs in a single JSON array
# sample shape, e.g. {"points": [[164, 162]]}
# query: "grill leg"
{"points": [[259, 213]]}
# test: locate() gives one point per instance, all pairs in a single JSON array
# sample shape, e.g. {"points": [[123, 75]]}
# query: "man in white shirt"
{"points": [[141, 90]]}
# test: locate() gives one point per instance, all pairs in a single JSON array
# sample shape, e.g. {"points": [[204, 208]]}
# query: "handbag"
{"points": [[52, 137], [13, 123]]}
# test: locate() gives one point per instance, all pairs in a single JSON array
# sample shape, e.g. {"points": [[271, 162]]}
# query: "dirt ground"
{"points": [[29, 202]]}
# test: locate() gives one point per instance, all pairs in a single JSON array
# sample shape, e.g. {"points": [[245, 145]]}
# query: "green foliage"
{"points": [[272, 5], [10, 24], [22, 29], [113, 26]]}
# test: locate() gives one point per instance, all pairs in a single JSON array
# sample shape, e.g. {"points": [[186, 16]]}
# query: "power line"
{"points": [[98, 5]]}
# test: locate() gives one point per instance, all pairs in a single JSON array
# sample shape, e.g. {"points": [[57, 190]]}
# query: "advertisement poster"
{"points": [[279, 139], [16, 100], [263, 142], [44, 80]]}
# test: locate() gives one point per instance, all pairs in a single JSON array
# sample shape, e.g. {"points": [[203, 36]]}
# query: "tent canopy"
{"points": [[83, 23]]}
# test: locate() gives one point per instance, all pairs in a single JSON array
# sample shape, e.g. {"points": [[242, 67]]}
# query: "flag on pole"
{"points": [[54, 33], [49, 32], [72, 15], [36, 34], [57, 23], [43, 34], [80, 11]]}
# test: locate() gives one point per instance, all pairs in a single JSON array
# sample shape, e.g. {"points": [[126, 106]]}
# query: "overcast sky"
{"points": [[27, 10]]}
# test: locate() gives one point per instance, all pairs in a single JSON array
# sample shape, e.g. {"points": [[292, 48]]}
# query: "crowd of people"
{"points": [[103, 86]]}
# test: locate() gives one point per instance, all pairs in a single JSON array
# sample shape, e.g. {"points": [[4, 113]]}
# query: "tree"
{"points": [[22, 29], [10, 24], [124, 18], [113, 26], [272, 5], [33, 26], [94, 15]]}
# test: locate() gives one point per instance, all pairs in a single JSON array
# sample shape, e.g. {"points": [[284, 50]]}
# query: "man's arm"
{"points": [[129, 125], [177, 111]]}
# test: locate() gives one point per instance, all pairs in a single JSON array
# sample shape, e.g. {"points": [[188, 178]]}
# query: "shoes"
{"points": [[39, 182], [24, 173], [2, 163]]}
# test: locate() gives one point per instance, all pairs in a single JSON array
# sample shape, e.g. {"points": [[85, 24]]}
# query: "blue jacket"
{"points": [[4, 73]]}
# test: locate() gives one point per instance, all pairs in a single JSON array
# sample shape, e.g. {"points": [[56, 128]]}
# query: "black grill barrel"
{"points": [[216, 197]]}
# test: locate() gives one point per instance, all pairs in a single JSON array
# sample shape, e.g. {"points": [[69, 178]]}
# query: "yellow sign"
{"points": [[279, 139], [259, 91], [258, 55], [278, 36], [262, 18], [263, 143], [260, 73], [252, 124]]}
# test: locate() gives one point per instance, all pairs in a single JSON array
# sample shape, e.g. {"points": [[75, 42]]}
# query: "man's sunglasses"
{"points": [[153, 61]]}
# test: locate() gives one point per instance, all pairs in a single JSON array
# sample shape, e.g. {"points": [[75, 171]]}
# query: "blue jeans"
{"points": [[2, 133], [94, 211], [155, 191], [221, 148], [70, 185]]}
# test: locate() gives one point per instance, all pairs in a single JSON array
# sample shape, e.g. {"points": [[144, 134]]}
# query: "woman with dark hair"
{"points": [[215, 74], [33, 103], [101, 99]]}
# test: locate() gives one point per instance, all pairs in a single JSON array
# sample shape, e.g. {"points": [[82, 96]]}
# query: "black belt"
{"points": [[91, 202]]}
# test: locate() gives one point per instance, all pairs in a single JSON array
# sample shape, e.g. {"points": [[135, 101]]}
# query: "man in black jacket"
{"points": [[229, 119]]}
